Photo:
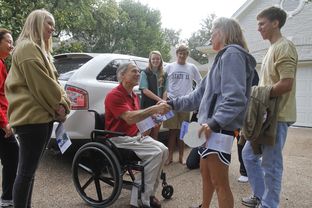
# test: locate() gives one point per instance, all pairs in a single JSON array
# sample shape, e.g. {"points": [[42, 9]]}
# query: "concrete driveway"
{"points": [[54, 188]]}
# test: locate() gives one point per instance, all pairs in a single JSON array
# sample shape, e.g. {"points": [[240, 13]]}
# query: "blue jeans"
{"points": [[265, 176]]}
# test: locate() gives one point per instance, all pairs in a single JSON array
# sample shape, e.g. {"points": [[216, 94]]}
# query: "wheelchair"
{"points": [[99, 169]]}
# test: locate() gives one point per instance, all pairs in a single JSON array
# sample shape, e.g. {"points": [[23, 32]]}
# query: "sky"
{"points": [[188, 14]]}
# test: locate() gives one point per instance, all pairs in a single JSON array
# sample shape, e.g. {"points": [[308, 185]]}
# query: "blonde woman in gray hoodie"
{"points": [[221, 100]]}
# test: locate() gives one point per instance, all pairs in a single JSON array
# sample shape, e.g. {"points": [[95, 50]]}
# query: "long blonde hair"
{"points": [[33, 30], [160, 68], [231, 31]]}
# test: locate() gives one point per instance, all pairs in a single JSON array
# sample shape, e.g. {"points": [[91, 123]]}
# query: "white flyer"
{"points": [[220, 142], [189, 134], [169, 115], [150, 122], [145, 124], [62, 138]]}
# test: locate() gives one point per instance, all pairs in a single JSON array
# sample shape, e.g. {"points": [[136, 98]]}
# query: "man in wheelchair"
{"points": [[122, 112]]}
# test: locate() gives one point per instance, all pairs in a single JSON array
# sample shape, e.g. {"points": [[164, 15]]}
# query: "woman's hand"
{"points": [[60, 113], [205, 130], [8, 131]]}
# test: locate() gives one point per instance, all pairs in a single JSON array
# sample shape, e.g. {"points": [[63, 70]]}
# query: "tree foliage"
{"points": [[201, 37], [66, 13], [94, 25], [13, 14], [172, 36], [99, 29], [64, 47], [142, 32], [70, 15]]}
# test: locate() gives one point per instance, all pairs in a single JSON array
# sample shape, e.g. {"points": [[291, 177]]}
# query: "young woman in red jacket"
{"points": [[8, 143]]}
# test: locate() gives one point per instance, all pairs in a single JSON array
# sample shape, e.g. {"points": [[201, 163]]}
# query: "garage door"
{"points": [[304, 95]]}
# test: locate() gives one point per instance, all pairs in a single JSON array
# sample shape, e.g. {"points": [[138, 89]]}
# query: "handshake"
{"points": [[159, 113], [162, 107]]}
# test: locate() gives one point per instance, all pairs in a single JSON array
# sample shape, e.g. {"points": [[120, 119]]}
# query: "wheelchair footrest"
{"points": [[128, 185]]}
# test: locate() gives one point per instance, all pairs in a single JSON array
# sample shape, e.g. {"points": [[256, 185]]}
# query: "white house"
{"points": [[298, 28]]}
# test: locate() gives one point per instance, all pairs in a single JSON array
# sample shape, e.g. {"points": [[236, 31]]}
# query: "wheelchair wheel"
{"points": [[96, 174], [167, 191]]}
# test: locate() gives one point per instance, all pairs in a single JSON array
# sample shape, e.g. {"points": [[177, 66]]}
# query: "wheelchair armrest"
{"points": [[97, 132]]}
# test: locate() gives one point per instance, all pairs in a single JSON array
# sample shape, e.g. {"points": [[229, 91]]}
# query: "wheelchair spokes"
{"points": [[87, 183], [96, 175], [98, 189], [85, 168]]}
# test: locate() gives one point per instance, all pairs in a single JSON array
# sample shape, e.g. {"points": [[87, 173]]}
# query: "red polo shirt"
{"points": [[3, 100], [116, 103]]}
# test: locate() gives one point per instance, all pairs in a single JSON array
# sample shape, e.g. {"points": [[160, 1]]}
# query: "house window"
{"points": [[292, 7]]}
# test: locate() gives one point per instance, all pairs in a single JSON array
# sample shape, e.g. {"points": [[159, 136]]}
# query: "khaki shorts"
{"points": [[176, 121]]}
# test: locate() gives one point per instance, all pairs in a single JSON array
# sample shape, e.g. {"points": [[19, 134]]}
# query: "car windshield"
{"points": [[65, 66]]}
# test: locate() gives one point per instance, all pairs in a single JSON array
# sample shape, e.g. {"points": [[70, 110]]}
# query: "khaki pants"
{"points": [[153, 155]]}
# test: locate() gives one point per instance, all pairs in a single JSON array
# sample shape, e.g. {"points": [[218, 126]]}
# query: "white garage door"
{"points": [[304, 95]]}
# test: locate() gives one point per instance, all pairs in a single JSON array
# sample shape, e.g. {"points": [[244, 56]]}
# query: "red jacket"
{"points": [[3, 100]]}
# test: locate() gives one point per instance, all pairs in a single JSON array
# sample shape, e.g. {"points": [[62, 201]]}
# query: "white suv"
{"points": [[87, 78]]}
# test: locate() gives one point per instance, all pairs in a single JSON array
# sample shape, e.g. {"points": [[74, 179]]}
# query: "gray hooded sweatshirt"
{"points": [[222, 96]]}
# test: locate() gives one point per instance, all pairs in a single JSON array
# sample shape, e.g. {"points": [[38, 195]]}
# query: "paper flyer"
{"points": [[184, 129], [189, 134], [145, 124], [62, 138], [169, 115], [150, 122]]}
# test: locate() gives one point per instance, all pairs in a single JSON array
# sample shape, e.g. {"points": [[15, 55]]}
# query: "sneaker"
{"points": [[6, 203], [251, 201], [243, 179]]}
